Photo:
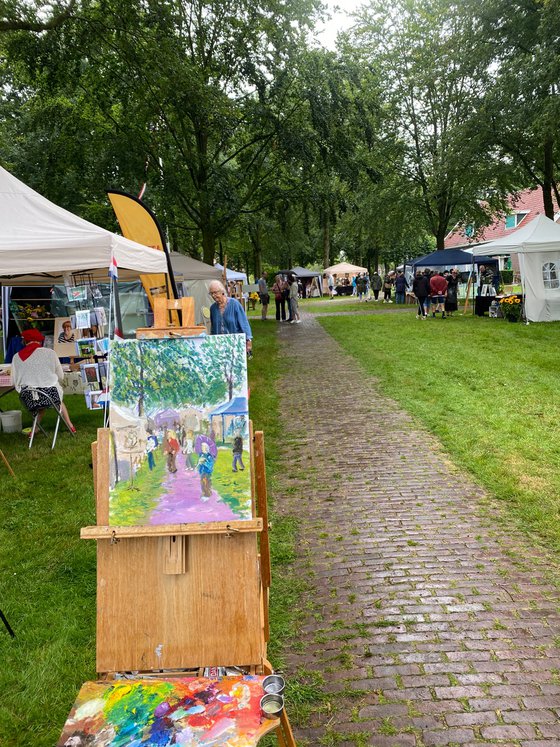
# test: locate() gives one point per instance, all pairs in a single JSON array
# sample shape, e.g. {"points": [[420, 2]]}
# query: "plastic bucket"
{"points": [[11, 421]]}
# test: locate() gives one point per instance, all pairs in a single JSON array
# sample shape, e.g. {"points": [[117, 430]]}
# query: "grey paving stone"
{"points": [[410, 589]]}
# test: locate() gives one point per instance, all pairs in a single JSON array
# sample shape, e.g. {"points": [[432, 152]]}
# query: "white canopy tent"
{"points": [[344, 268], [232, 274], [41, 243], [188, 268], [538, 248]]}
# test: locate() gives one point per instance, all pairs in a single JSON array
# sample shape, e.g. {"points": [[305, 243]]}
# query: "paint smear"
{"points": [[185, 711]]}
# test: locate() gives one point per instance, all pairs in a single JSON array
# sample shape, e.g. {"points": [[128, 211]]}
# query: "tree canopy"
{"points": [[256, 143]]}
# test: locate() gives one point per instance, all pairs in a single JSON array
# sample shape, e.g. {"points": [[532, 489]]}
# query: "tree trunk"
{"points": [[548, 201], [208, 244], [221, 252], [326, 238], [375, 258], [440, 236]]}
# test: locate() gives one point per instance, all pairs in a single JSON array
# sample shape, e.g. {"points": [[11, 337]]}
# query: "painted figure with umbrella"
{"points": [[207, 452]]}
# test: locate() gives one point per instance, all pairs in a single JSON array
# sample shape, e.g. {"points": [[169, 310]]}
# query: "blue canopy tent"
{"points": [[230, 417], [448, 258]]}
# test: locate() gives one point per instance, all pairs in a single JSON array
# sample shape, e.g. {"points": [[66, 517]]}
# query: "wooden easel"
{"points": [[163, 308], [174, 599]]}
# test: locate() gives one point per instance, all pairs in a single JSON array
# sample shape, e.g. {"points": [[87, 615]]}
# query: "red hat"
{"points": [[32, 335]]}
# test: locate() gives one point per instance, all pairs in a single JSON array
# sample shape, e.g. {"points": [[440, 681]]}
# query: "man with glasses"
{"points": [[227, 316]]}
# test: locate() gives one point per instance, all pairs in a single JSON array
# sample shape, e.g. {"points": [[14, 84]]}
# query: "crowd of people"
{"points": [[436, 291]]}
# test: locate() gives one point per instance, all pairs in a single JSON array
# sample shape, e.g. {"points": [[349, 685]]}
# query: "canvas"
{"points": [[65, 337], [187, 711], [179, 421]]}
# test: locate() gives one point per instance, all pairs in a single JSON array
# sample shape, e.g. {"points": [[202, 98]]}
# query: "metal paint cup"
{"points": [[274, 684], [272, 705]]}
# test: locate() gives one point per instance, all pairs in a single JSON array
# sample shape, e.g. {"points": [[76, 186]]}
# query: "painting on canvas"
{"points": [[65, 337], [188, 711], [179, 421]]}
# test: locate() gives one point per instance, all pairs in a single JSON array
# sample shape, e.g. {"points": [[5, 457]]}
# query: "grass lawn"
{"points": [[48, 575], [487, 389]]}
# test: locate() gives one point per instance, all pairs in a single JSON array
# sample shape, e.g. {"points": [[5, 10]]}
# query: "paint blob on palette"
{"points": [[179, 420], [185, 711]]}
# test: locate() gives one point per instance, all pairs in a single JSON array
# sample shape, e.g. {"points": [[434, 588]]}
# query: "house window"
{"points": [[512, 221], [550, 275]]}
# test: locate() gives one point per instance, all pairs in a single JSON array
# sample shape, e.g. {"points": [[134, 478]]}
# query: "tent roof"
{"points": [[237, 406], [443, 257], [192, 269], [344, 268], [231, 274], [540, 235], [301, 272], [40, 242]]}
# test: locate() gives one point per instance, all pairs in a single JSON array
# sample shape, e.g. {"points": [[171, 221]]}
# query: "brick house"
{"points": [[522, 210]]}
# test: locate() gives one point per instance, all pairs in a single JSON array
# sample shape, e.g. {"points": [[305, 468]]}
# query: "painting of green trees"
{"points": [[179, 422]]}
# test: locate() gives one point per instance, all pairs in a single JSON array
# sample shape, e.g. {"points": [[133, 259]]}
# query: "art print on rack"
{"points": [[179, 422]]}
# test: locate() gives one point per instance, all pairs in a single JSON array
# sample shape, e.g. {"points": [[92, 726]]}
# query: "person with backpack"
{"points": [[376, 284]]}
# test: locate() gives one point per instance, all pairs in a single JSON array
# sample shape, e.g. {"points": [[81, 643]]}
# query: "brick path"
{"points": [[427, 624]]}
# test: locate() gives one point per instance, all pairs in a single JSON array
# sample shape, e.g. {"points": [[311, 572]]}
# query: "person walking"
{"points": [[401, 284], [438, 287], [264, 296], [294, 295], [376, 285], [330, 284], [227, 316], [279, 300], [421, 289]]}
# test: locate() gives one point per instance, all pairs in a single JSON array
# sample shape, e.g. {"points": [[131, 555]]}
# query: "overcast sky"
{"points": [[326, 33]]}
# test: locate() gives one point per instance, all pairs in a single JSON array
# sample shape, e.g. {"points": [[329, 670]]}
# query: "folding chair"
{"points": [[36, 393]]}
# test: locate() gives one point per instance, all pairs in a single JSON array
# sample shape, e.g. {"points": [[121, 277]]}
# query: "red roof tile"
{"points": [[530, 201]]}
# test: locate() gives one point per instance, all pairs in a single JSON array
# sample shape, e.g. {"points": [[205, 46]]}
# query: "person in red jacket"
{"points": [[438, 287]]}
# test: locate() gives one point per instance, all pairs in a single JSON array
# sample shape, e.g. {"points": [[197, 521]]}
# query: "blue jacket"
{"points": [[234, 319]]}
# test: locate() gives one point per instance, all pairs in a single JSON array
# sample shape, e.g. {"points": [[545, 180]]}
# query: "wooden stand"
{"points": [[173, 598], [162, 309]]}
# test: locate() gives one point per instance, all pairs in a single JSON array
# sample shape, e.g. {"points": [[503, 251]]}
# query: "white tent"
{"points": [[538, 247], [188, 268], [41, 242], [232, 274]]}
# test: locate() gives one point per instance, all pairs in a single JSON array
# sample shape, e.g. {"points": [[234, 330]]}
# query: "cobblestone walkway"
{"points": [[426, 624]]}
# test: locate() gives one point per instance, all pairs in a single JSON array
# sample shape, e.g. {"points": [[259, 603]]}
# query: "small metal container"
{"points": [[274, 684], [272, 705]]}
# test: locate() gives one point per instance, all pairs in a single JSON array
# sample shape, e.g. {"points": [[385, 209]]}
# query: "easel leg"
{"points": [[284, 733], [10, 470], [7, 624]]}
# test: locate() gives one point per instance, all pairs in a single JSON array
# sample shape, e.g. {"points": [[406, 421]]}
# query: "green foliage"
{"points": [[507, 276]]}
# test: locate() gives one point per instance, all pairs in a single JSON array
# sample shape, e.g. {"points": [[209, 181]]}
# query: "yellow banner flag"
{"points": [[138, 223]]}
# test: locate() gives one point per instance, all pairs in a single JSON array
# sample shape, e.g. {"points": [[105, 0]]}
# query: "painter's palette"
{"points": [[186, 711]]}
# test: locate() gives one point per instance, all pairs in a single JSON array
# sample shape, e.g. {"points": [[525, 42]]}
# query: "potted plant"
{"points": [[510, 307]]}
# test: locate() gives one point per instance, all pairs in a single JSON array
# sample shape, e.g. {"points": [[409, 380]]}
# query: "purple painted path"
{"points": [[183, 502]]}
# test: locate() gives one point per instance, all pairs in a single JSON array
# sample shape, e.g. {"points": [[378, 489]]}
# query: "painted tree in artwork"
{"points": [[227, 365], [151, 374], [147, 373]]}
